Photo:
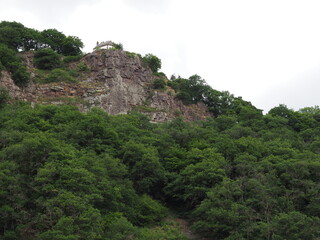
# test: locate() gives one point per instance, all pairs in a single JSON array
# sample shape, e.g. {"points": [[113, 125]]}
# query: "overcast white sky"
{"points": [[267, 51]]}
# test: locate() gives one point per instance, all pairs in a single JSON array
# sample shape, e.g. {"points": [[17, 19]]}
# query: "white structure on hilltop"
{"points": [[106, 44]]}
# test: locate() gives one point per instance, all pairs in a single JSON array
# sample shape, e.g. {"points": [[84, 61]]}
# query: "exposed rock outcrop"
{"points": [[117, 82]]}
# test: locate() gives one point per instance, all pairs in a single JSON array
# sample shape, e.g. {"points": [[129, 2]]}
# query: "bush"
{"points": [[20, 75], [153, 62], [12, 63], [119, 228], [4, 96], [160, 74], [118, 46], [69, 59], [159, 84], [151, 210], [1, 67], [82, 67], [59, 75], [47, 59], [169, 230], [131, 54]]}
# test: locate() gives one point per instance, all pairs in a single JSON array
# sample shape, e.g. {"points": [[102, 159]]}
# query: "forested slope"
{"points": [[65, 174], [70, 175]]}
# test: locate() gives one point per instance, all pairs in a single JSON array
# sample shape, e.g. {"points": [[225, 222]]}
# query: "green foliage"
{"points": [[4, 96], [159, 83], [119, 228], [47, 59], [62, 44], [190, 90], [131, 54], [20, 38], [194, 90], [117, 46], [69, 59], [14, 65], [82, 67], [167, 230], [59, 75], [1, 68], [17, 37], [160, 74], [240, 175], [153, 62], [71, 46]]}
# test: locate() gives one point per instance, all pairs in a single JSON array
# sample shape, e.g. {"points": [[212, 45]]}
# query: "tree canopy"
{"points": [[242, 175], [48, 44], [20, 38], [152, 61]]}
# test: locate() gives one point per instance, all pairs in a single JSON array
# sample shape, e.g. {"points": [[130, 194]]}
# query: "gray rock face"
{"points": [[124, 78], [117, 83], [170, 107]]}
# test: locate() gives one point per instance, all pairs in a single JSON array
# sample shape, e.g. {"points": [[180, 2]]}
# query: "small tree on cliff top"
{"points": [[153, 62]]}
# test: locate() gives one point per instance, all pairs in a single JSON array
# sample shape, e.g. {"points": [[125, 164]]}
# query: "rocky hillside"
{"points": [[115, 81]]}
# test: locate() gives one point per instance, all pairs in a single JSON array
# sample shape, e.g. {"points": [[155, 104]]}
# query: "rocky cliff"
{"points": [[117, 82]]}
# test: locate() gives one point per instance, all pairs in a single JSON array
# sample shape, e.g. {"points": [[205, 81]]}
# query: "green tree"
{"points": [[11, 34], [197, 179], [190, 90], [53, 39], [71, 46], [159, 83], [219, 214], [47, 59], [153, 62], [4, 96], [18, 37], [295, 226]]}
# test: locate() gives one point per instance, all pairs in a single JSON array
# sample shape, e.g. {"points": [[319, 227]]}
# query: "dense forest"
{"points": [[240, 174]]}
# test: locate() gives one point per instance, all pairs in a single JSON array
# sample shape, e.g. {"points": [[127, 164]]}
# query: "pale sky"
{"points": [[267, 51]]}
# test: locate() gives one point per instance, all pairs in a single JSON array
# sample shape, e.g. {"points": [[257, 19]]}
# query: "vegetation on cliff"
{"points": [[15, 38]]}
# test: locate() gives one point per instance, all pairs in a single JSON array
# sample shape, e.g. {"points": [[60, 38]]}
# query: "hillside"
{"points": [[74, 167]]}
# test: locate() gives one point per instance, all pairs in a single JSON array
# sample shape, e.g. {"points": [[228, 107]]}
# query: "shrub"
{"points": [[4, 96], [160, 74], [12, 63], [118, 46], [130, 54], [69, 59], [59, 75], [19, 74], [151, 210], [159, 84], [119, 228], [153, 62], [47, 59], [82, 67]]}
